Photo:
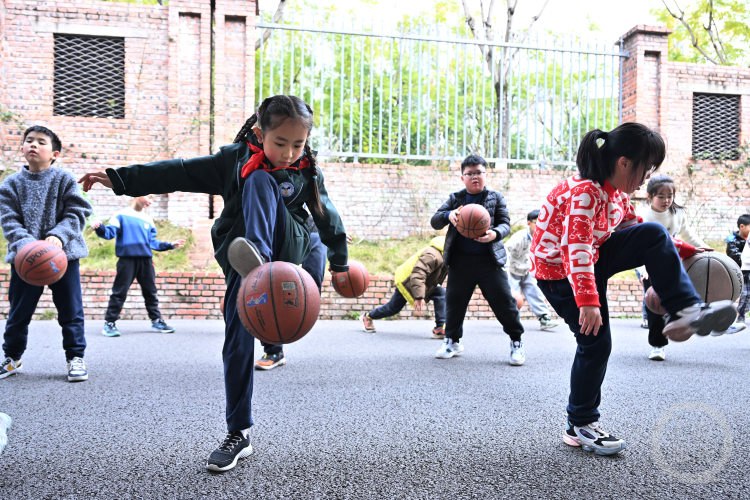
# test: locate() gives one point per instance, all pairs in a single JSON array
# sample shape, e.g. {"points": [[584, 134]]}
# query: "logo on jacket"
{"points": [[287, 189]]}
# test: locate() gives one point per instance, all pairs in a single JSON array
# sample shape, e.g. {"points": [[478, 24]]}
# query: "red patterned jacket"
{"points": [[575, 220]]}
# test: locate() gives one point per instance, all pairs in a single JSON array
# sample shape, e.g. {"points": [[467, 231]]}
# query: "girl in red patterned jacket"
{"points": [[587, 231]]}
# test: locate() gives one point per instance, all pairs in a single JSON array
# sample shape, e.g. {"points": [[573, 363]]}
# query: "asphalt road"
{"points": [[355, 415]]}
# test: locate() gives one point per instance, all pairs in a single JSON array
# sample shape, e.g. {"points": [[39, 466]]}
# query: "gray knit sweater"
{"points": [[35, 205]]}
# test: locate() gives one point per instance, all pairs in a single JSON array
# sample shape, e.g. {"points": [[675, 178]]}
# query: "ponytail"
{"points": [[599, 150], [314, 203]]}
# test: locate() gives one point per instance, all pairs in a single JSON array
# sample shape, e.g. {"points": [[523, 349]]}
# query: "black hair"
{"points": [[599, 151], [657, 182], [56, 144], [472, 160], [743, 219], [273, 111], [533, 215]]}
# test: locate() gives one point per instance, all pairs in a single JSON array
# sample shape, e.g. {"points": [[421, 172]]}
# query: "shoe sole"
{"points": [[79, 378], [243, 257], [244, 453], [271, 367], [571, 441], [110, 334], [516, 363], [162, 331], [657, 358], [441, 337], [445, 356], [719, 319], [12, 372]]}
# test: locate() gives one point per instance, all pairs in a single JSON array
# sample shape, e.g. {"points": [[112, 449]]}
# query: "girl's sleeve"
{"points": [[76, 210], [204, 174], [578, 254], [331, 229]]}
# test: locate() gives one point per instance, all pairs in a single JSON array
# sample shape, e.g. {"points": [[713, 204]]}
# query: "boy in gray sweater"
{"points": [[43, 203]]}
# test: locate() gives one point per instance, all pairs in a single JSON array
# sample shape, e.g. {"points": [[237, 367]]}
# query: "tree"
{"points": [[713, 31], [501, 63]]}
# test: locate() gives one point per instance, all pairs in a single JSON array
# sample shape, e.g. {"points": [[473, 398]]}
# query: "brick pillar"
{"points": [[644, 75]]}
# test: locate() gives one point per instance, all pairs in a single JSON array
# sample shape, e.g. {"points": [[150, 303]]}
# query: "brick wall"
{"points": [[199, 295]]}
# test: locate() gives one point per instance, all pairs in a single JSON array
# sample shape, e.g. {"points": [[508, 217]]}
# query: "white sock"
{"points": [[245, 432]]}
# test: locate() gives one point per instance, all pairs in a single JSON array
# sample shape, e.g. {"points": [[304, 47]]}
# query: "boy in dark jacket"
{"points": [[417, 280], [477, 262], [736, 240]]}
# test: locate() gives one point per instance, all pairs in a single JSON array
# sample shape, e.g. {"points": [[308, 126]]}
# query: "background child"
{"points": [[736, 240], [587, 231], [417, 280], [266, 177], [477, 262], [522, 282], [43, 203], [661, 208], [745, 296], [135, 236]]}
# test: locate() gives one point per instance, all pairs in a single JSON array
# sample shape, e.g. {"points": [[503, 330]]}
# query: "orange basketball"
{"points": [[40, 263], [653, 303], [351, 283], [278, 302], [519, 300], [473, 221]]}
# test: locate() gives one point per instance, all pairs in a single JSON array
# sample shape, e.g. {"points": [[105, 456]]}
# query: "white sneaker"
{"points": [[593, 438], [77, 371], [449, 349], [701, 319], [657, 354], [737, 327], [243, 256], [517, 353]]}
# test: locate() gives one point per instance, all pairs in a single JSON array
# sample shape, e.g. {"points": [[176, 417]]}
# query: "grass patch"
{"points": [[382, 257]]}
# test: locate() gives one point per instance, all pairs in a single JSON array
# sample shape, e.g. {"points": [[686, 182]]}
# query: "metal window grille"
{"points": [[89, 77], [716, 126]]}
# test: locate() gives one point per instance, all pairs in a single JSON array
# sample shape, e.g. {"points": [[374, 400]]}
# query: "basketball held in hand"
{"points": [[40, 263], [278, 302], [473, 221], [351, 283]]}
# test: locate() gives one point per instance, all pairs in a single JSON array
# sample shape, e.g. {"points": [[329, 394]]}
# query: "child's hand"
{"points": [[348, 239], [419, 304], [54, 240], [96, 225], [590, 320], [178, 243], [453, 215], [88, 180], [703, 249], [487, 237]]}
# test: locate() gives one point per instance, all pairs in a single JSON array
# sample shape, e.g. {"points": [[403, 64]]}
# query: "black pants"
{"points": [[465, 272], [128, 269], [656, 336]]}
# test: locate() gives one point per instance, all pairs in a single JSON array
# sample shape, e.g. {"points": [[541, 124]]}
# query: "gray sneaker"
{"points": [[243, 256], [517, 353], [701, 319]]}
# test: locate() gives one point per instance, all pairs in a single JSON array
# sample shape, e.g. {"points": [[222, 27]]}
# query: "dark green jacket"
{"points": [[219, 174]]}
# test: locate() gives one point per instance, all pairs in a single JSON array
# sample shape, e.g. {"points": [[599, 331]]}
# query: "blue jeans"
{"points": [[397, 302], [270, 227], [66, 294], [646, 244]]}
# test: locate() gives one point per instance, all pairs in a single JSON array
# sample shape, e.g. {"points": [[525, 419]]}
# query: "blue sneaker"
{"points": [[110, 329], [592, 437], [160, 326]]}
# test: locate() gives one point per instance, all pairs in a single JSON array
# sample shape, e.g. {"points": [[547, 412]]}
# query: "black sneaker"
{"points": [[160, 326], [270, 361], [234, 447]]}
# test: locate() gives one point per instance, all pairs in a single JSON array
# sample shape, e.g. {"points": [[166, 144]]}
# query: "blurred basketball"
{"points": [[519, 299], [278, 302], [473, 221], [715, 276], [653, 302], [351, 283], [40, 263]]}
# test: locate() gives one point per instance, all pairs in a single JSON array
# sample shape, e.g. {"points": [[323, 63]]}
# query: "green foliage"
{"points": [[382, 257], [719, 27]]}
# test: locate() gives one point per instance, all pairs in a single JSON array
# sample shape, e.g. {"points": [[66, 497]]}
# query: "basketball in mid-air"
{"points": [[351, 283], [653, 302], [473, 221], [278, 302], [715, 276], [40, 263], [519, 299]]}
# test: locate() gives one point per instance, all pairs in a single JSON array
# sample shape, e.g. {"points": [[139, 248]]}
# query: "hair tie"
{"points": [[599, 142]]}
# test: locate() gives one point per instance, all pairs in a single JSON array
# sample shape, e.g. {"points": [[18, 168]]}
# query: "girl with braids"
{"points": [[266, 178], [587, 231]]}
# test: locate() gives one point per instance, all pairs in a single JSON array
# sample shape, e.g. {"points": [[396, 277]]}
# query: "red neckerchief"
{"points": [[258, 157]]}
